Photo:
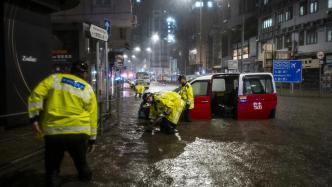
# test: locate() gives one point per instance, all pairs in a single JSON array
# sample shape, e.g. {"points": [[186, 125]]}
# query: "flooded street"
{"points": [[292, 150]]}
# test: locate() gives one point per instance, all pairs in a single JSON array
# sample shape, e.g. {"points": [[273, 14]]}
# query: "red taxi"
{"points": [[241, 96]]}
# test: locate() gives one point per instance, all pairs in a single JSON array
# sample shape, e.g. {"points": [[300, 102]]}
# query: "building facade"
{"points": [[26, 53], [73, 35], [297, 30]]}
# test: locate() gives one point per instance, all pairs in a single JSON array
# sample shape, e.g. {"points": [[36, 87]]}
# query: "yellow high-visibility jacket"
{"points": [[187, 95], [66, 104], [165, 101], [139, 89]]}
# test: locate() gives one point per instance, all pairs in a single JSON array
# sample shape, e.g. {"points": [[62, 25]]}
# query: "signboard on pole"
{"points": [[288, 71], [98, 33], [232, 64], [118, 60]]}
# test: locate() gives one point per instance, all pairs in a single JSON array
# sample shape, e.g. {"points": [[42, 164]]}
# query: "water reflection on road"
{"points": [[294, 149]]}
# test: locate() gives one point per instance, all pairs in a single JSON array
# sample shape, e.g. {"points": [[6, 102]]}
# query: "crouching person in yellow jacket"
{"points": [[139, 89], [63, 108], [166, 109]]}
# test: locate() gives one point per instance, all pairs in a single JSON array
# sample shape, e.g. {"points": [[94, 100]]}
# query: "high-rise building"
{"points": [[297, 30], [156, 30]]}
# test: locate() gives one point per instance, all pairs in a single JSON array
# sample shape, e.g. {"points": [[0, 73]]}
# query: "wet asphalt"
{"points": [[295, 149], [292, 150]]}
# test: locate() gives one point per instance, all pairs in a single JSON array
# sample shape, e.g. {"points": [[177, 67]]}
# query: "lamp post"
{"points": [[242, 40], [149, 51], [155, 38]]}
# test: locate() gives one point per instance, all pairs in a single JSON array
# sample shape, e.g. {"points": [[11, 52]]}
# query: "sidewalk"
{"points": [[20, 149], [17, 144]]}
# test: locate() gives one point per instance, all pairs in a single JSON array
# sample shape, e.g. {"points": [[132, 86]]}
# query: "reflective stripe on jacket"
{"points": [[167, 101], [187, 95], [66, 104]]}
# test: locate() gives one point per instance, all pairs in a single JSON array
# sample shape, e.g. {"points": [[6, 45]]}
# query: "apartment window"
{"points": [[303, 8], [329, 5], [280, 17], [267, 23], [313, 7], [289, 13], [279, 42], [288, 41], [245, 51], [239, 53], [235, 54], [329, 34], [301, 38], [265, 2], [311, 37]]}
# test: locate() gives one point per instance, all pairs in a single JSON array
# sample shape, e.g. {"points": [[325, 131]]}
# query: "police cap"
{"points": [[181, 77], [80, 66]]}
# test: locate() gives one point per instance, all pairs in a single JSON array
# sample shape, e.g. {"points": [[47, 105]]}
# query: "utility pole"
{"points": [[200, 35], [221, 59], [242, 41]]}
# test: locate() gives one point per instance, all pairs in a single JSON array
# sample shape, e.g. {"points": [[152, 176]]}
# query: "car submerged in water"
{"points": [[232, 95]]}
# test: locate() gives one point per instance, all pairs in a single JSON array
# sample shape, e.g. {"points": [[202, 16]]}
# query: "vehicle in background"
{"points": [[143, 78], [241, 96]]}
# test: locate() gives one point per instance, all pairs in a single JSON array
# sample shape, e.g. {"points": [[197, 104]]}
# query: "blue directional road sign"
{"points": [[289, 71]]}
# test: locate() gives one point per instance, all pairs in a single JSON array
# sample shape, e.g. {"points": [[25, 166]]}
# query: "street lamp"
{"points": [[155, 37], [199, 4], [133, 56], [209, 4], [148, 49], [137, 49]]}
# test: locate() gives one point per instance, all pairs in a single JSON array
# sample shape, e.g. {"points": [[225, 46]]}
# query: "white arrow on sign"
{"points": [[98, 33]]}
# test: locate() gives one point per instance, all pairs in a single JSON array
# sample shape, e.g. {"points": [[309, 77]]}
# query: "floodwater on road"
{"points": [[292, 150]]}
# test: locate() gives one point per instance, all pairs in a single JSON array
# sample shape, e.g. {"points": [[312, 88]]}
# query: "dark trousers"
{"points": [[167, 127], [75, 145], [185, 114]]}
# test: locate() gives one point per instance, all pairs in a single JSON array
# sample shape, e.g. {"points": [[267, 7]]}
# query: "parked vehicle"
{"points": [[143, 78], [241, 96]]}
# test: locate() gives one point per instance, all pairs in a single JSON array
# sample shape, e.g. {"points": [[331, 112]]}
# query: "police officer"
{"points": [[186, 93], [63, 108], [139, 90], [165, 110]]}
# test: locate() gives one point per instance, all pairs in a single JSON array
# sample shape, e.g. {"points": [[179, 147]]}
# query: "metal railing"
{"points": [[13, 114]]}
